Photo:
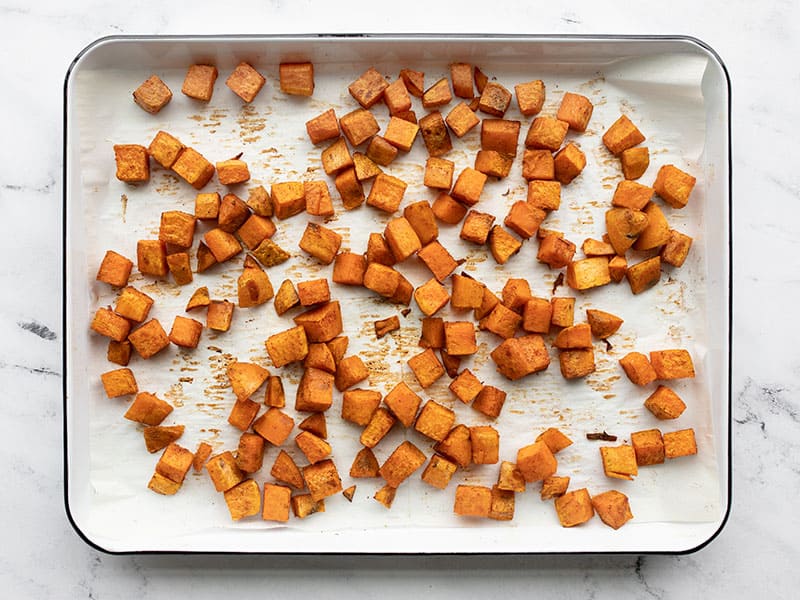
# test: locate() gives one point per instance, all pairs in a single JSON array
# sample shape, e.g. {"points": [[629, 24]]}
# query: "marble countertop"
{"points": [[757, 552]]}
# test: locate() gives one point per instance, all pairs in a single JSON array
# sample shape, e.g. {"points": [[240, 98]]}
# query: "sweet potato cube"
{"points": [[255, 230], [133, 304], [287, 346], [568, 163], [632, 195], [674, 185], [648, 445], [152, 95], [438, 472], [472, 501], [359, 405], [322, 323], [432, 335], [151, 257], [243, 500], [323, 127], [554, 487], [223, 245], [461, 76], [250, 453], [206, 206], [422, 220], [622, 134], [365, 465], [619, 461], [435, 420], [426, 368], [297, 79], [401, 133], [466, 386], [149, 339], [536, 315], [119, 352], [315, 391], [401, 238], [461, 119], [365, 168], [358, 126], [467, 292], [575, 336], [485, 441], [319, 357], [555, 439], [563, 313], [232, 171], [288, 198], [313, 292], [254, 287], [676, 248], [613, 508], [516, 292], [349, 268], [285, 470], [435, 134], [489, 401], [502, 244], [490, 300], [501, 321], [378, 251], [350, 189], [201, 456], [476, 227], [245, 81], [539, 165], [448, 210], [274, 394], [617, 268], [502, 507], [148, 409], [133, 163], [544, 195], [396, 97], [193, 168], [387, 193], [634, 162], [493, 163], [439, 173], [656, 232], [199, 82], [114, 269], [500, 135], [457, 446], [313, 447], [174, 462], [274, 426], [524, 219], [414, 81], [386, 326], [536, 462], [509, 478], [574, 508], [320, 242], [494, 99], [588, 273], [576, 110], [546, 133], [644, 275], [245, 378], [243, 413], [402, 462], [624, 225], [119, 382], [322, 479], [165, 149], [438, 260], [368, 89], [381, 279], [219, 315], [378, 426], [517, 357], [180, 267], [350, 371], [380, 151], [431, 296], [576, 363], [269, 254], [638, 368], [185, 332], [437, 95], [530, 97], [403, 402], [468, 186], [665, 404], [277, 499], [592, 247], [680, 443], [386, 495], [602, 324], [459, 338]]}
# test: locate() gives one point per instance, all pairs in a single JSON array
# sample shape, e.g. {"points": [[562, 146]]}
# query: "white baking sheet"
{"points": [[671, 90]]}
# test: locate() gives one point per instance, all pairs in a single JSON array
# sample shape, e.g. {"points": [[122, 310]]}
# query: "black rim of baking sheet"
{"points": [[402, 36]]}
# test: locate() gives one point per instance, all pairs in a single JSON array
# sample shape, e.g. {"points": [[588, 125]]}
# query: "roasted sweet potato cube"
{"points": [[472, 501], [501, 321], [450, 363], [554, 487], [588, 273], [502, 507], [220, 315], [468, 186], [634, 162], [576, 363], [575, 336], [602, 324], [149, 339], [613, 508], [426, 368], [381, 279], [435, 134], [676, 248], [269, 254], [622, 134], [632, 195], [245, 378], [206, 206], [250, 453], [466, 386], [297, 79], [274, 394], [243, 500], [223, 245], [648, 445], [151, 257], [448, 210], [322, 479], [502, 244], [403, 402], [401, 133], [277, 499], [439, 173], [485, 441], [422, 220], [152, 95], [576, 110], [656, 232], [680, 443], [431, 296], [285, 470], [380, 151], [358, 126], [287, 346], [401, 238], [358, 405], [199, 82], [174, 463], [536, 462], [350, 371], [319, 357], [378, 251], [386, 326], [274, 426], [574, 508], [494, 99], [461, 76], [402, 462], [165, 149], [546, 133], [133, 163], [644, 275], [255, 230], [364, 167], [369, 88], [500, 135], [148, 409], [414, 81], [320, 242], [592, 247], [530, 97], [254, 287], [323, 127], [619, 461], [378, 426], [313, 292], [555, 439], [322, 323], [185, 332], [193, 168], [509, 478], [517, 357], [245, 81], [563, 311], [617, 268], [435, 420], [350, 189], [349, 268], [544, 195], [114, 269], [232, 171], [467, 292], [493, 163], [133, 304], [438, 260], [536, 315], [438, 472], [313, 447], [459, 338], [539, 165], [624, 225], [365, 465], [461, 119], [476, 227], [180, 267], [288, 198], [516, 292], [243, 413], [568, 163], [387, 193], [396, 97], [201, 456], [489, 401], [437, 95], [665, 403], [119, 352], [432, 335], [524, 219], [674, 185], [315, 391], [638, 368], [457, 446], [119, 382]]}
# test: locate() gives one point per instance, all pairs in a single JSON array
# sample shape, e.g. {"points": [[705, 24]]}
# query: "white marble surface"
{"points": [[757, 553]]}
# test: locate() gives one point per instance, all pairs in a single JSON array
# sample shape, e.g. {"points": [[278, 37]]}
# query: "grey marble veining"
{"points": [[757, 553]]}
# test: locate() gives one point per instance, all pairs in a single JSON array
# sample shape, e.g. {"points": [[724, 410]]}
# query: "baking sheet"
{"points": [[665, 91]]}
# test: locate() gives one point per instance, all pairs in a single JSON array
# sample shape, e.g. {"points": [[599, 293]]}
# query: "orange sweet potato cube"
{"points": [[563, 313], [255, 230], [638, 368], [568, 163], [159, 437], [485, 441], [322, 479], [315, 391], [152, 95], [435, 134], [524, 219], [403, 402], [554, 487], [457, 446], [469, 186], [588, 273], [674, 185], [547, 133], [364, 167], [461, 119], [337, 157], [421, 218], [193, 168], [199, 82], [358, 126], [322, 323], [648, 445], [133, 163], [545, 195], [220, 315], [381, 279], [177, 228], [378, 251], [466, 386], [438, 472], [461, 76], [467, 292], [439, 173], [313, 292], [297, 79], [630, 194], [359, 405], [489, 401], [223, 245], [426, 368], [476, 227], [622, 134], [350, 189], [450, 363], [174, 463], [396, 97], [243, 500], [250, 453], [432, 335], [502, 507], [448, 210], [232, 171], [576, 110], [349, 268], [665, 404], [319, 357], [133, 304], [243, 413], [274, 426], [368, 89], [402, 462], [119, 352], [493, 163], [350, 371], [378, 426], [472, 501], [180, 267], [459, 338], [287, 346], [165, 149], [500, 135], [517, 357], [245, 378], [574, 508], [555, 439], [185, 332], [617, 268], [201, 456], [320, 242], [530, 97], [602, 324], [576, 363], [431, 296], [365, 465], [151, 258], [536, 315], [313, 447], [285, 470], [387, 193], [435, 420], [619, 461], [119, 382], [401, 238], [274, 395], [288, 198], [538, 165], [148, 409], [206, 206], [245, 81], [644, 275], [380, 151], [323, 127], [575, 336], [401, 133], [437, 95], [149, 339], [494, 100], [502, 244], [501, 321], [680, 443], [509, 478], [676, 249], [277, 499], [613, 508], [634, 162], [114, 269]]}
